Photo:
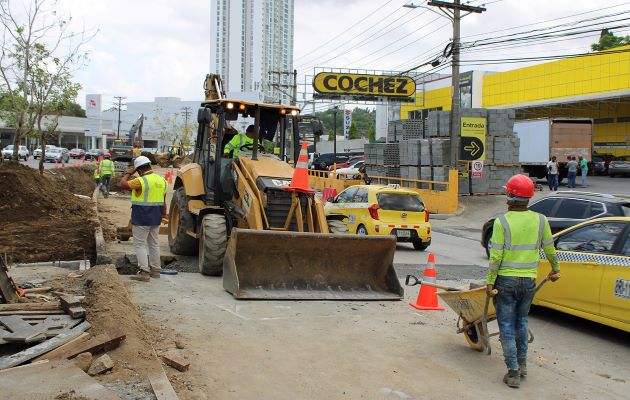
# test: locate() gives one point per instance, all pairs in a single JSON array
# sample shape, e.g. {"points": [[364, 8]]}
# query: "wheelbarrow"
{"points": [[474, 309]]}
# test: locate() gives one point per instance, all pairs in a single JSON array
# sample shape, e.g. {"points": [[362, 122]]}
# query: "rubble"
{"points": [[101, 365]]}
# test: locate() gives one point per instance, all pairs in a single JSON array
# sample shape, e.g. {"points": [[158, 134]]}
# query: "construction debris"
{"points": [[101, 365], [175, 361], [83, 361]]}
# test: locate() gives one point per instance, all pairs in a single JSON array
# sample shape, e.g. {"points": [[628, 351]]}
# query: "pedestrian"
{"points": [[516, 239], [107, 170], [583, 170], [240, 142], [97, 176], [148, 212], [572, 167], [552, 177]]}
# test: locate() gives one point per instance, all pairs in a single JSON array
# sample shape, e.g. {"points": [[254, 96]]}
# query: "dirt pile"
{"points": [[41, 219], [114, 183], [77, 180]]}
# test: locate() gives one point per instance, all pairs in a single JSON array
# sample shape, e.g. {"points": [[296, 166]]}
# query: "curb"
{"points": [[99, 239]]}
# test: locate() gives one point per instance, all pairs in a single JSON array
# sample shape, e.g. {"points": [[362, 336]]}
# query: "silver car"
{"points": [[619, 166], [38, 151], [57, 154], [7, 152]]}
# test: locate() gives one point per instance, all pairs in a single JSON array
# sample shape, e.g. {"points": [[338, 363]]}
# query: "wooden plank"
{"points": [[53, 305], [175, 361], [7, 286], [62, 349], [42, 312], [44, 347], [51, 381], [76, 312], [22, 331], [161, 385], [102, 342]]}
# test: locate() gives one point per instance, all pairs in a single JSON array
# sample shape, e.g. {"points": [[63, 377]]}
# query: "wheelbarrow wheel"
{"points": [[474, 336]]}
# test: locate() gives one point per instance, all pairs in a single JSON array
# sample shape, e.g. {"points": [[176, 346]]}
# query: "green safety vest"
{"points": [[107, 167], [235, 144], [517, 238], [154, 189], [96, 174]]}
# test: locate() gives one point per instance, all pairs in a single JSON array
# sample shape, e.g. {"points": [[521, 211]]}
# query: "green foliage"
{"points": [[74, 110], [608, 40], [364, 119], [173, 128], [353, 132], [372, 134]]}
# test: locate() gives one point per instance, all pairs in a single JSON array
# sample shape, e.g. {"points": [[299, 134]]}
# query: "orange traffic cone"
{"points": [[56, 165], [84, 162], [299, 183], [169, 178], [63, 164], [427, 297]]}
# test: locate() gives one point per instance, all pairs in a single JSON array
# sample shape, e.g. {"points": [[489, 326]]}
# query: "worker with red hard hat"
{"points": [[106, 167], [517, 237]]}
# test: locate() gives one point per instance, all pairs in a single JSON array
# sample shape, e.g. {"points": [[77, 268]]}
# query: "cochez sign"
{"points": [[359, 84]]}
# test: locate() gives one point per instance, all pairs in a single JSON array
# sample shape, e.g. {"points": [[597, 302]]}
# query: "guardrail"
{"points": [[439, 197]]}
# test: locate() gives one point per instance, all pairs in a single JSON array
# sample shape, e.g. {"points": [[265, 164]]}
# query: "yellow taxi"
{"points": [[384, 210], [595, 272]]}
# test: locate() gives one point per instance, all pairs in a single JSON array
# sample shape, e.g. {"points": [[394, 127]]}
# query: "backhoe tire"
{"points": [[213, 241], [181, 220], [337, 227]]}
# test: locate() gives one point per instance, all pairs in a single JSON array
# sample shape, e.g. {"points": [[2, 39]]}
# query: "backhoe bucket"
{"points": [[280, 265]]}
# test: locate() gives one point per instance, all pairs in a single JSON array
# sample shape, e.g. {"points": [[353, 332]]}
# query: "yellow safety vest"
{"points": [[235, 144], [517, 238], [153, 191], [107, 167]]}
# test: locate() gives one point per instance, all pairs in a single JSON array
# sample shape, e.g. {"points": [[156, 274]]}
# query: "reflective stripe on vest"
{"points": [[153, 191], [107, 167]]}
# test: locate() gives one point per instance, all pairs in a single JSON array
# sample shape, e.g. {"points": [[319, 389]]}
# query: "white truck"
{"points": [[541, 139]]}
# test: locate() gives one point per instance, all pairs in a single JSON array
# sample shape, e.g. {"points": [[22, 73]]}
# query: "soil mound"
{"points": [[77, 180], [41, 219]]}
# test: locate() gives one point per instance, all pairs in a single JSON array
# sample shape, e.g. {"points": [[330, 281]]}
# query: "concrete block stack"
{"points": [[382, 159], [394, 131], [404, 130]]}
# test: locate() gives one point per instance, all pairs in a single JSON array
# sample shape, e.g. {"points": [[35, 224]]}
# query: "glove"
{"points": [[164, 220]]}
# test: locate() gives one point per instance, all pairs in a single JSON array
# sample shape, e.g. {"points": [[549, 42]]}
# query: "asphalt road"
{"points": [[33, 163]]}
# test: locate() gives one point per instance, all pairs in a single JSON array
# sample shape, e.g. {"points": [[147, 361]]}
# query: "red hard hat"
{"points": [[520, 186], [107, 154]]}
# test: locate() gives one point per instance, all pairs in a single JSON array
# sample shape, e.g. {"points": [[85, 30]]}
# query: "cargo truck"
{"points": [[540, 139]]}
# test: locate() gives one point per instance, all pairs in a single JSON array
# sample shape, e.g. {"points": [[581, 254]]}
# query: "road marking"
{"points": [[232, 312]]}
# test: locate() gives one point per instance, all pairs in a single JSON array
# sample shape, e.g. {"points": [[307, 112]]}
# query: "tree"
{"points": [[38, 54], [353, 132], [607, 40], [173, 129], [372, 134]]}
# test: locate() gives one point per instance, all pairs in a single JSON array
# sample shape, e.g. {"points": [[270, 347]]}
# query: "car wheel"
{"points": [[362, 230], [612, 175], [418, 245]]}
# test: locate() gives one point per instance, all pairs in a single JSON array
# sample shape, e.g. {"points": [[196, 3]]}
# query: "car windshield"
{"points": [[9, 147], [400, 202], [623, 158], [75, 150], [54, 151]]}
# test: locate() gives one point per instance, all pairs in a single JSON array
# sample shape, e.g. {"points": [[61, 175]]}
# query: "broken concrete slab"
{"points": [[101, 365]]}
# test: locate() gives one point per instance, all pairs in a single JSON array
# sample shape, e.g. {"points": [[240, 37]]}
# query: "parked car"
{"points": [[619, 166], [325, 160], [594, 261], [57, 154], [38, 151], [353, 168], [7, 152], [77, 153], [94, 154], [384, 210], [568, 208], [351, 161], [600, 162]]}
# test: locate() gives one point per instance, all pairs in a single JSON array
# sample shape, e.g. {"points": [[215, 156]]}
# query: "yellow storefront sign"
{"points": [[359, 84], [473, 143]]}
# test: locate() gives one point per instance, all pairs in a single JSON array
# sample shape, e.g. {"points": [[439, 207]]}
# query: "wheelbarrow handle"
{"points": [[540, 285], [416, 281]]}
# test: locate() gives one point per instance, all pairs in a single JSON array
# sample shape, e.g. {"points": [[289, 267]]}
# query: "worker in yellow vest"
{"points": [[517, 237], [240, 142], [148, 212], [106, 166]]}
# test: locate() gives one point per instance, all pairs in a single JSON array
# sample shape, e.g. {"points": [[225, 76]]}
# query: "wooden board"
{"points": [[37, 312], [161, 385], [62, 349], [7, 286], [53, 305], [44, 347], [45, 381], [22, 331], [102, 342]]}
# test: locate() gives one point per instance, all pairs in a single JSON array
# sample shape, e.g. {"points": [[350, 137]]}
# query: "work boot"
{"points": [[512, 379], [155, 273], [522, 368], [142, 276]]}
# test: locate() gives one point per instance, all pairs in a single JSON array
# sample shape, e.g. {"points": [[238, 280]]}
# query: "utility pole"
{"points": [[335, 109], [187, 111], [119, 107], [279, 86], [453, 12]]}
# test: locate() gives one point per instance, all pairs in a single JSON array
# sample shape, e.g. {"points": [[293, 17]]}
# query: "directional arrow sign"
{"points": [[473, 142]]}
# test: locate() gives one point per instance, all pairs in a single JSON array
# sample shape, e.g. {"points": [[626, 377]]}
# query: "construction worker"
{"points": [[106, 167], [97, 176], [148, 211], [234, 145], [516, 239]]}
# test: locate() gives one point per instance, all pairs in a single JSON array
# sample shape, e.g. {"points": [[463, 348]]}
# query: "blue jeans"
{"points": [[105, 182], [571, 177], [584, 171], [553, 181], [512, 305]]}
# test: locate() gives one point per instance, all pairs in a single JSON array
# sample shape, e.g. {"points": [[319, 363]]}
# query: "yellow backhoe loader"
{"points": [[269, 242]]}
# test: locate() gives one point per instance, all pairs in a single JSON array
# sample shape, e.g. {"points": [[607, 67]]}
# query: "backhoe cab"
{"points": [[269, 242]]}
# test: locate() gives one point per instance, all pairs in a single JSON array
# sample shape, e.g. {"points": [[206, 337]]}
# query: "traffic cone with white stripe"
{"points": [[427, 297], [299, 183]]}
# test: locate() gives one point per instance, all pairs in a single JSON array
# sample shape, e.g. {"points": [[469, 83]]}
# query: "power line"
{"points": [[119, 108]]}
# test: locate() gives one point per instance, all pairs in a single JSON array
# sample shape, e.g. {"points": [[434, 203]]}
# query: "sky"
{"points": [[146, 49]]}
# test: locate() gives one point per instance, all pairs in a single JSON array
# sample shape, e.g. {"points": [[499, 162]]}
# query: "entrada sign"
{"points": [[359, 84]]}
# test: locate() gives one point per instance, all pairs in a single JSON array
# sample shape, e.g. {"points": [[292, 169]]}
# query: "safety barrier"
{"points": [[439, 197]]}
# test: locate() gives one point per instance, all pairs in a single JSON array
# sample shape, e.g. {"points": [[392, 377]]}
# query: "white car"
{"points": [[38, 151], [353, 169], [7, 152]]}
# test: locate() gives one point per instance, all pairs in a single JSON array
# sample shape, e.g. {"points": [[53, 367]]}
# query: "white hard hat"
{"points": [[140, 161]]}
